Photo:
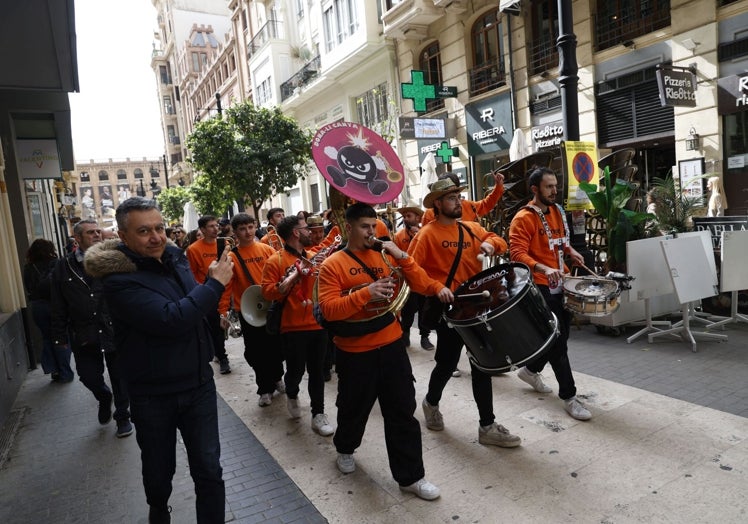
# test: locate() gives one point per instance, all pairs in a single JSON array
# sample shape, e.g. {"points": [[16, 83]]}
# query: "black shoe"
{"points": [[426, 343], [124, 428], [105, 411], [159, 515], [225, 368], [55, 376], [327, 375]]}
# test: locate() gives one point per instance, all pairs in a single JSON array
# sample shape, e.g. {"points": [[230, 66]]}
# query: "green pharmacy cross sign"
{"points": [[446, 153], [418, 91]]}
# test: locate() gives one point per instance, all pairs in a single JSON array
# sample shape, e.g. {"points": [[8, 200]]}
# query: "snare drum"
{"points": [[591, 296], [507, 329]]}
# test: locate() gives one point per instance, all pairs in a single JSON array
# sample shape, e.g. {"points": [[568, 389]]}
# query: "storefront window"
{"points": [[735, 171]]}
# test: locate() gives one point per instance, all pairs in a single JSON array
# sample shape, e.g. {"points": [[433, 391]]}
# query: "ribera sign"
{"points": [[732, 94]]}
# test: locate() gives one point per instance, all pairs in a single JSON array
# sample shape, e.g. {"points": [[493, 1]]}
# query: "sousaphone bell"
{"points": [[254, 306]]}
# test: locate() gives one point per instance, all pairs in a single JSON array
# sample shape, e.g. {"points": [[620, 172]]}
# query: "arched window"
{"points": [[103, 176], [488, 70], [121, 174], [431, 64], [138, 173]]}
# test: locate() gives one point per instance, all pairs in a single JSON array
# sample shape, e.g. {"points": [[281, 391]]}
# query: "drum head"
{"points": [[590, 287], [504, 284]]}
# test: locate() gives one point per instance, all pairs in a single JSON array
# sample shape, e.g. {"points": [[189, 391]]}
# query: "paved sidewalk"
{"points": [[666, 444]]}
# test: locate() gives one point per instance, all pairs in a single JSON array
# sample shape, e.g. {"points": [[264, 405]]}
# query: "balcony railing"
{"points": [[627, 24], [543, 57], [302, 77], [487, 76], [272, 29]]}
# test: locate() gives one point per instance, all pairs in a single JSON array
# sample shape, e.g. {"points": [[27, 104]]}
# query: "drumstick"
{"points": [[483, 294], [588, 269]]}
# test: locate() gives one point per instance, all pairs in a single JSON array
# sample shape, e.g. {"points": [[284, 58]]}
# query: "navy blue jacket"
{"points": [[158, 312]]}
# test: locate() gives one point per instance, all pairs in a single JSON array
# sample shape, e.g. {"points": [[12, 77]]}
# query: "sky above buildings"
{"points": [[116, 114]]}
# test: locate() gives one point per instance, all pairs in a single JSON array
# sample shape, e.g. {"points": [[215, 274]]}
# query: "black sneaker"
{"points": [[105, 411], [426, 343], [327, 375], [124, 428], [225, 368]]}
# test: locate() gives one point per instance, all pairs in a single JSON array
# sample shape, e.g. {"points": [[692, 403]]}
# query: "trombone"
{"points": [[274, 239]]}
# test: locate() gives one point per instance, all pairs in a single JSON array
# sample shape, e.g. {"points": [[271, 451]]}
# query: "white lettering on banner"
{"points": [[487, 114], [677, 82], [743, 83], [425, 150], [742, 101], [679, 94], [487, 133], [547, 131]]}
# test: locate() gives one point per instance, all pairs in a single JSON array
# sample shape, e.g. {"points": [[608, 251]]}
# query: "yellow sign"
{"points": [[580, 164]]}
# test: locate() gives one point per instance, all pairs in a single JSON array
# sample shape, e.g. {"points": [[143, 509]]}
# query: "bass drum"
{"points": [[507, 327]]}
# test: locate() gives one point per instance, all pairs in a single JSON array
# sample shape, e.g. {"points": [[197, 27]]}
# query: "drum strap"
{"points": [[554, 244], [235, 251], [456, 262]]}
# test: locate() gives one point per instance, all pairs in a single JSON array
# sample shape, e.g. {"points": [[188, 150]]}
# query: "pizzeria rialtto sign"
{"points": [[677, 86]]}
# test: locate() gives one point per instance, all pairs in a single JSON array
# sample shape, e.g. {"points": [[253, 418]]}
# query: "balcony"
{"points": [[302, 77], [410, 19], [271, 30], [543, 57], [626, 24], [487, 76]]}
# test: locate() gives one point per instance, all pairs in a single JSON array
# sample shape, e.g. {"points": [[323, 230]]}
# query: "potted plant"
{"points": [[673, 209]]}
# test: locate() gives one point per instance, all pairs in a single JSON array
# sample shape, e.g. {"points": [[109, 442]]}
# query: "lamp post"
{"points": [[166, 172]]}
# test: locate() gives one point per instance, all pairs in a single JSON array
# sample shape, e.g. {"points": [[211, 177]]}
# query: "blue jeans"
{"points": [[195, 414], [54, 359]]}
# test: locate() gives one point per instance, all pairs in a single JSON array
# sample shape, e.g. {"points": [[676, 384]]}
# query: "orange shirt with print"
{"points": [[403, 238], [200, 254], [471, 210], [529, 243], [340, 272], [254, 255], [297, 311], [434, 248]]}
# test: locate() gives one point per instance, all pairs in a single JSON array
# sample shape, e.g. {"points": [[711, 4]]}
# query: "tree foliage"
{"points": [[251, 154], [171, 200], [209, 196]]}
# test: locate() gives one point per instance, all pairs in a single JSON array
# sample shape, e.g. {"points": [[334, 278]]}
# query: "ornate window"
{"points": [[431, 64], [544, 26], [488, 53]]}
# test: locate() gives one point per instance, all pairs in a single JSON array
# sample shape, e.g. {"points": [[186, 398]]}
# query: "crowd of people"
{"points": [[152, 307]]}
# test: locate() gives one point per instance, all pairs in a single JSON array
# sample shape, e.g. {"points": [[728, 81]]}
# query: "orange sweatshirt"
{"points": [[529, 243], [254, 256], [200, 254], [297, 312], [340, 272], [471, 211], [379, 231], [403, 237], [435, 246]]}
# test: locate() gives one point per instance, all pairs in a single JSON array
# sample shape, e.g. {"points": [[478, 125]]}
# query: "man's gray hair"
{"points": [[78, 227], [132, 204]]}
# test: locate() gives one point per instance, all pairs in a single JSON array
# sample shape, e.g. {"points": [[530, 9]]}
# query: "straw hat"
{"points": [[412, 207], [314, 221], [441, 187]]}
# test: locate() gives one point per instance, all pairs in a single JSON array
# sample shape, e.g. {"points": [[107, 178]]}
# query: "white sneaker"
{"points": [[434, 419], [497, 435], [576, 409], [534, 379], [265, 400], [321, 426], [423, 489], [457, 373], [280, 387], [345, 463], [293, 407]]}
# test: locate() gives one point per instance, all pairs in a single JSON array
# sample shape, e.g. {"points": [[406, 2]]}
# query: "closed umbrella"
{"points": [[518, 147]]}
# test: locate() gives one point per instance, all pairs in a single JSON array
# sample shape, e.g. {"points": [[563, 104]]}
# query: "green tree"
{"points": [[209, 196], [171, 200], [252, 153]]}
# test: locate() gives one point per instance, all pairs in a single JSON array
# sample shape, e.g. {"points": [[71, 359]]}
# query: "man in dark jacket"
{"points": [[80, 320], [159, 313]]}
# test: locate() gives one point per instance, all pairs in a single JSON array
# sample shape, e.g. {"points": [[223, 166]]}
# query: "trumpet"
{"points": [[229, 241], [274, 239]]}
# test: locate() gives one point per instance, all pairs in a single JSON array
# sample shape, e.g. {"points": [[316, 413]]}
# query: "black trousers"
{"points": [[448, 349], [383, 374], [305, 349], [217, 334], [558, 355], [89, 363], [263, 353], [413, 305]]}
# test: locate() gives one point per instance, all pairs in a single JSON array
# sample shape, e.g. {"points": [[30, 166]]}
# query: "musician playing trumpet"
{"points": [[436, 248], [261, 350], [289, 276], [374, 364], [271, 237]]}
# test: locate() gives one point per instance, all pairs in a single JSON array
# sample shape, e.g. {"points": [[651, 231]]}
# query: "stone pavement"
{"points": [[668, 443]]}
